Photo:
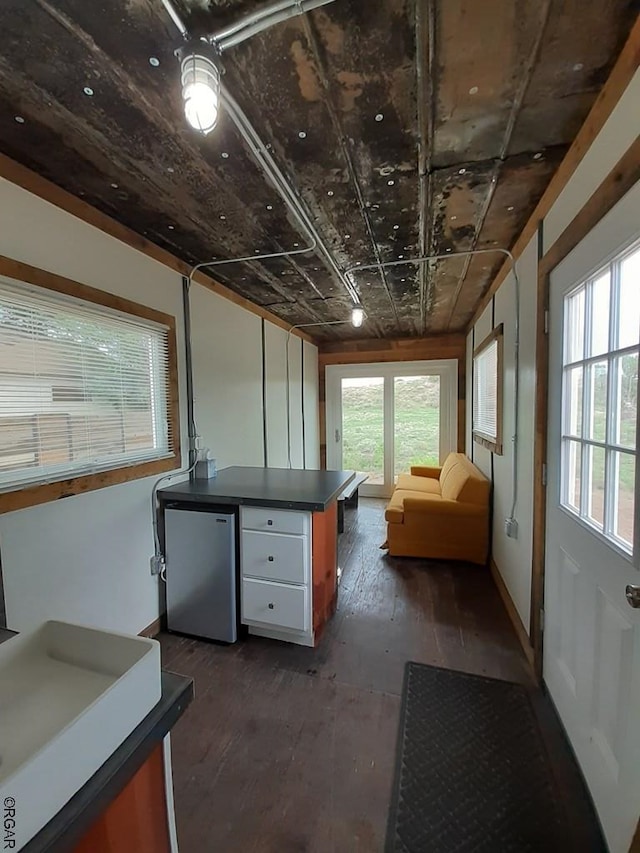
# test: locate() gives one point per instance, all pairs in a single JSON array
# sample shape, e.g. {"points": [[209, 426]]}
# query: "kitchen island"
{"points": [[287, 543]]}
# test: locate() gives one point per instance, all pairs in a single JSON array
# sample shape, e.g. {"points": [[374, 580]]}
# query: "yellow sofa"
{"points": [[440, 513]]}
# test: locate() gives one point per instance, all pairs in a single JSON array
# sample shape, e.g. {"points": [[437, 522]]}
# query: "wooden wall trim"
{"points": [[370, 351], [617, 183], [29, 180], [399, 349], [510, 607], [153, 629], [620, 77]]}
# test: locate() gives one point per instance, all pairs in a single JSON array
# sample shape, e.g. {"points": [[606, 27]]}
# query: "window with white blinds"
{"points": [[83, 387], [487, 392]]}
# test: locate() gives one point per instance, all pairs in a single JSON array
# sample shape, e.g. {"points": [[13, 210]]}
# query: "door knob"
{"points": [[633, 595]]}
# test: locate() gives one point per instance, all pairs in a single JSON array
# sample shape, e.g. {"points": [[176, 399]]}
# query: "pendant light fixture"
{"points": [[200, 76], [357, 316]]}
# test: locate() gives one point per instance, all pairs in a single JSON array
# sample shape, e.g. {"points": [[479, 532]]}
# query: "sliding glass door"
{"points": [[384, 418]]}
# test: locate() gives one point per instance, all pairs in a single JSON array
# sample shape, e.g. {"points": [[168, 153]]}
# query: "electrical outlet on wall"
{"points": [[157, 564], [511, 528]]}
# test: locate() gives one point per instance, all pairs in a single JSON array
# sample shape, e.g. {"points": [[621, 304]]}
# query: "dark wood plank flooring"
{"points": [[292, 750]]}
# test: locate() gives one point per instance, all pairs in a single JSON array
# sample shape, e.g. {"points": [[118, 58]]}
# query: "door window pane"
{"points": [[598, 401], [363, 427], [595, 485], [417, 422], [574, 332], [601, 299], [573, 473], [624, 468], [629, 325], [626, 369], [573, 391]]}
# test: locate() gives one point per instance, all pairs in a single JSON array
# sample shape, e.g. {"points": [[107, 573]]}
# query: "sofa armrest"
{"points": [[425, 471]]}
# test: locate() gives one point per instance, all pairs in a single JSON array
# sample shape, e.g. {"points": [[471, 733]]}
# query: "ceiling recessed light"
{"points": [[390, 183], [171, 227], [19, 119], [510, 207], [395, 227], [257, 252], [330, 192], [115, 186], [473, 90], [269, 207], [400, 257], [222, 216], [153, 60], [295, 245], [448, 250], [537, 156], [302, 134], [170, 169], [453, 218], [225, 155], [578, 66], [347, 236], [379, 117], [88, 91], [461, 171]]}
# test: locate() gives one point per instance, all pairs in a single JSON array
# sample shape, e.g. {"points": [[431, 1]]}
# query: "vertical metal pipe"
{"points": [[188, 356]]}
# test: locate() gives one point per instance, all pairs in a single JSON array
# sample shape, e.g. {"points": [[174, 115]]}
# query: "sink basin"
{"points": [[69, 696]]}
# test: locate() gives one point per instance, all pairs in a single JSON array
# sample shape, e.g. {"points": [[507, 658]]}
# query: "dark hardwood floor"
{"points": [[292, 750]]}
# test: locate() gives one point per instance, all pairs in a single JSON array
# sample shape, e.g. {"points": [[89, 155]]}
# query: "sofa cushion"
{"points": [[418, 484], [395, 508], [464, 482]]}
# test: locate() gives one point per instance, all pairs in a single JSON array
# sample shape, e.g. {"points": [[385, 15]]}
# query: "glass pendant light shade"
{"points": [[357, 316], [200, 87]]}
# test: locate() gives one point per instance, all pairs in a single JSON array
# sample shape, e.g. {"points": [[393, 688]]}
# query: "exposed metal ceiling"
{"points": [[404, 127]]}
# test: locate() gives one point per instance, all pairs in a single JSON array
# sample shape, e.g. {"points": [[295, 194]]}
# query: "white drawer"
{"points": [[275, 604], [276, 556], [275, 520]]}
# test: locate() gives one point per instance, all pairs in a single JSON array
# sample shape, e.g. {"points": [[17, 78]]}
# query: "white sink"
{"points": [[69, 696]]}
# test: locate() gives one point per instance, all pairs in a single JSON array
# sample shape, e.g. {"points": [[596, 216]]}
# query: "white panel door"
{"points": [[592, 634]]}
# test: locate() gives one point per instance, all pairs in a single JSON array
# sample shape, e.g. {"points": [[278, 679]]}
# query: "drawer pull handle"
{"points": [[270, 523], [270, 559], [271, 606]]}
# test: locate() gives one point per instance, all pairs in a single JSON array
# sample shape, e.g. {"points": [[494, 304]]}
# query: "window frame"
{"points": [[21, 497], [491, 443], [584, 441]]}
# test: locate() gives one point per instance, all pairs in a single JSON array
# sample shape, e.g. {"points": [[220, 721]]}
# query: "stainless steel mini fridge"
{"points": [[200, 550]]}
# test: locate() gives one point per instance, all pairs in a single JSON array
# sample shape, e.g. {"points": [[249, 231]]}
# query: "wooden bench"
{"points": [[349, 497]]}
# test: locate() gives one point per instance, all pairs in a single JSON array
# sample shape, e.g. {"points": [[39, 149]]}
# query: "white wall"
{"points": [[86, 558], [311, 407], [513, 557], [227, 378]]}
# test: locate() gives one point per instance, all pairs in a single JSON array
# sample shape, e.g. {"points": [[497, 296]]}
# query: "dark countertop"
{"points": [[65, 830], [281, 488]]}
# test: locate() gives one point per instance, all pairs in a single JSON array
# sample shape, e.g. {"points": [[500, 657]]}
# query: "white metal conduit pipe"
{"points": [[267, 163], [424, 259], [261, 20]]}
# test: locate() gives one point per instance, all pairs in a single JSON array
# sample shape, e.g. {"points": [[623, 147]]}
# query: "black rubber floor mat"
{"points": [[473, 772]]}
